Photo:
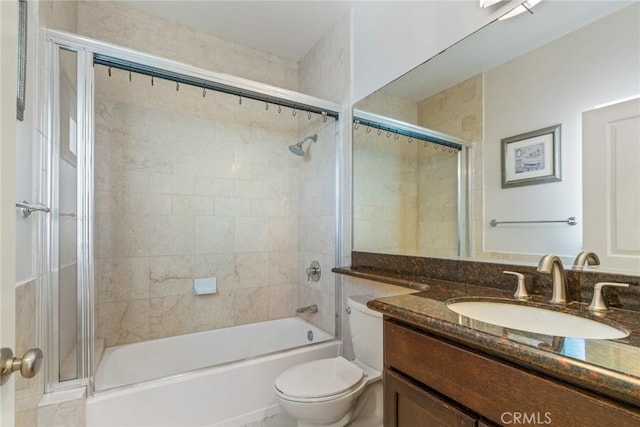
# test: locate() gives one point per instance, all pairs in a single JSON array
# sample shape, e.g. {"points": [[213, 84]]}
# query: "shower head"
{"points": [[297, 147]]}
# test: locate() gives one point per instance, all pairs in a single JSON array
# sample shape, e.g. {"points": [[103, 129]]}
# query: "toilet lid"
{"points": [[319, 378]]}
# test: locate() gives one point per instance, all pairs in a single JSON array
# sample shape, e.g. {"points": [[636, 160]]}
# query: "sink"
{"points": [[535, 319]]}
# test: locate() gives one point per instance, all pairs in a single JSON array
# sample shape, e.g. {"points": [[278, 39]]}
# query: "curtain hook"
{"points": [[266, 106], [356, 124], [204, 92], [368, 129], [279, 109], [129, 75], [309, 116], [396, 136], [151, 80], [388, 134], [239, 99], [109, 71], [177, 86], [379, 132], [294, 112], [324, 117], [410, 140]]}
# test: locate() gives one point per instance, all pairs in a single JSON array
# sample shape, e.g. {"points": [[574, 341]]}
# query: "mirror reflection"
{"points": [[572, 64]]}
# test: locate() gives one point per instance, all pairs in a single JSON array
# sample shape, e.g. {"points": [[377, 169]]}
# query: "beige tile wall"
{"points": [[242, 197], [385, 193], [456, 111], [189, 187], [385, 181], [114, 22], [200, 190], [437, 205], [405, 195], [324, 72], [316, 222]]}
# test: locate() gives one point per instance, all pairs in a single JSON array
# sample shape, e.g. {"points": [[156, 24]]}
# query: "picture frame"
{"points": [[532, 158]]}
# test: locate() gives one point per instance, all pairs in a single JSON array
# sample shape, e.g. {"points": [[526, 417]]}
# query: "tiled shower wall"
{"points": [[207, 191], [188, 187], [404, 192], [324, 72], [385, 193], [456, 111]]}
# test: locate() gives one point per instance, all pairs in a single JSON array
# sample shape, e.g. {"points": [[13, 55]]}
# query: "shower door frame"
{"points": [[84, 225], [86, 49]]}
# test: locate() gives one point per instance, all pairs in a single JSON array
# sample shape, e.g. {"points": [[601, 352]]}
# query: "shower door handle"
{"points": [[27, 208], [28, 365]]}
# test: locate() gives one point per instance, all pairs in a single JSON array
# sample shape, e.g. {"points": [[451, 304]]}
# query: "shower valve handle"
{"points": [[314, 272]]}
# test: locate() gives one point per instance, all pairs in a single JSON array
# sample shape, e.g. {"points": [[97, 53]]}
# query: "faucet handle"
{"points": [[313, 271], [521, 291], [597, 302]]}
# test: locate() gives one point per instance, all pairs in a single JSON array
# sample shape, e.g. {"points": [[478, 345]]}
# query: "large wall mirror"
{"points": [[549, 105]]}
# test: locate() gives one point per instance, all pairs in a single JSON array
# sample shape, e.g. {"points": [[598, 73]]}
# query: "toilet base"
{"points": [[369, 412], [344, 421], [366, 412]]}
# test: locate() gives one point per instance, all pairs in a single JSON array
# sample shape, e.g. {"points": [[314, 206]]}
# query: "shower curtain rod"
{"points": [[151, 71], [363, 118]]}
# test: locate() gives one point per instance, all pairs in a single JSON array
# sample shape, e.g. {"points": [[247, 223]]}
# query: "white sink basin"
{"points": [[535, 319]]}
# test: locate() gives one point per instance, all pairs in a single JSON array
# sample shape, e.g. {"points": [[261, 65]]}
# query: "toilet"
{"points": [[337, 392]]}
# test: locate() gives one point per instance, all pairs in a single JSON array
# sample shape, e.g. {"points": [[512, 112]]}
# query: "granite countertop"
{"points": [[607, 367]]}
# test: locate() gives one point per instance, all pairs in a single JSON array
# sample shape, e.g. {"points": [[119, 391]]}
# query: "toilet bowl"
{"points": [[336, 392]]}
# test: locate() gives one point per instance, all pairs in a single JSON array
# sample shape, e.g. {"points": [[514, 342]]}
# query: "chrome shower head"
{"points": [[297, 147]]}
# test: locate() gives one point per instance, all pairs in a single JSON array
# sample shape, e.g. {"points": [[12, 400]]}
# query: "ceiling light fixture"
{"points": [[487, 3], [524, 7]]}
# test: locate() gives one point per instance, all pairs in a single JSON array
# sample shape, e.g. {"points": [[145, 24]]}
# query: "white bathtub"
{"points": [[230, 382]]}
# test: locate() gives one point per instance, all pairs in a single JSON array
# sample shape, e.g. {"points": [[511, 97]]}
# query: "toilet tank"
{"points": [[366, 331]]}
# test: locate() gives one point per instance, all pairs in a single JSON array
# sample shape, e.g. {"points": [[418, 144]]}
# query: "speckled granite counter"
{"points": [[607, 367]]}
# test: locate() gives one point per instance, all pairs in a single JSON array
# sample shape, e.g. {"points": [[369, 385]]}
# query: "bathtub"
{"points": [[213, 378]]}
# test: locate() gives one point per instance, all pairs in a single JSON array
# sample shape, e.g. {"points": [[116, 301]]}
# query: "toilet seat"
{"points": [[319, 380]]}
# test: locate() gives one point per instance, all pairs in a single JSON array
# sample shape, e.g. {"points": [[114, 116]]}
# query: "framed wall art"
{"points": [[531, 158]]}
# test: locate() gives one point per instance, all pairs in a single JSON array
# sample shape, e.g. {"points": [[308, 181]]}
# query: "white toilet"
{"points": [[337, 392]]}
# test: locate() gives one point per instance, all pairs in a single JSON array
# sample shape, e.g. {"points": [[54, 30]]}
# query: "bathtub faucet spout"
{"points": [[313, 308]]}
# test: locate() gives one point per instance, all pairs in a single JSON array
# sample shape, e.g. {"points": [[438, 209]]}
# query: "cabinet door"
{"points": [[407, 405]]}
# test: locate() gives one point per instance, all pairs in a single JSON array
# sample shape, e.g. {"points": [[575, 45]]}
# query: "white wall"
{"points": [[603, 66], [392, 37]]}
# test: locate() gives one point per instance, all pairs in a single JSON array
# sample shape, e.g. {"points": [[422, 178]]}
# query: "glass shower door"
{"points": [[66, 216], [67, 288]]}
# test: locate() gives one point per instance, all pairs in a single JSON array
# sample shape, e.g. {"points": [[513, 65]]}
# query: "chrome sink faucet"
{"points": [[552, 264]]}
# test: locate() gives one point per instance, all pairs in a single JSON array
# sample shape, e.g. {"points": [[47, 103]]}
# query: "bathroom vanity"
{"points": [[442, 368], [431, 381]]}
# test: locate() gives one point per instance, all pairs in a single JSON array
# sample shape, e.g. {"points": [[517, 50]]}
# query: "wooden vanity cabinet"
{"points": [[429, 381], [409, 404]]}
